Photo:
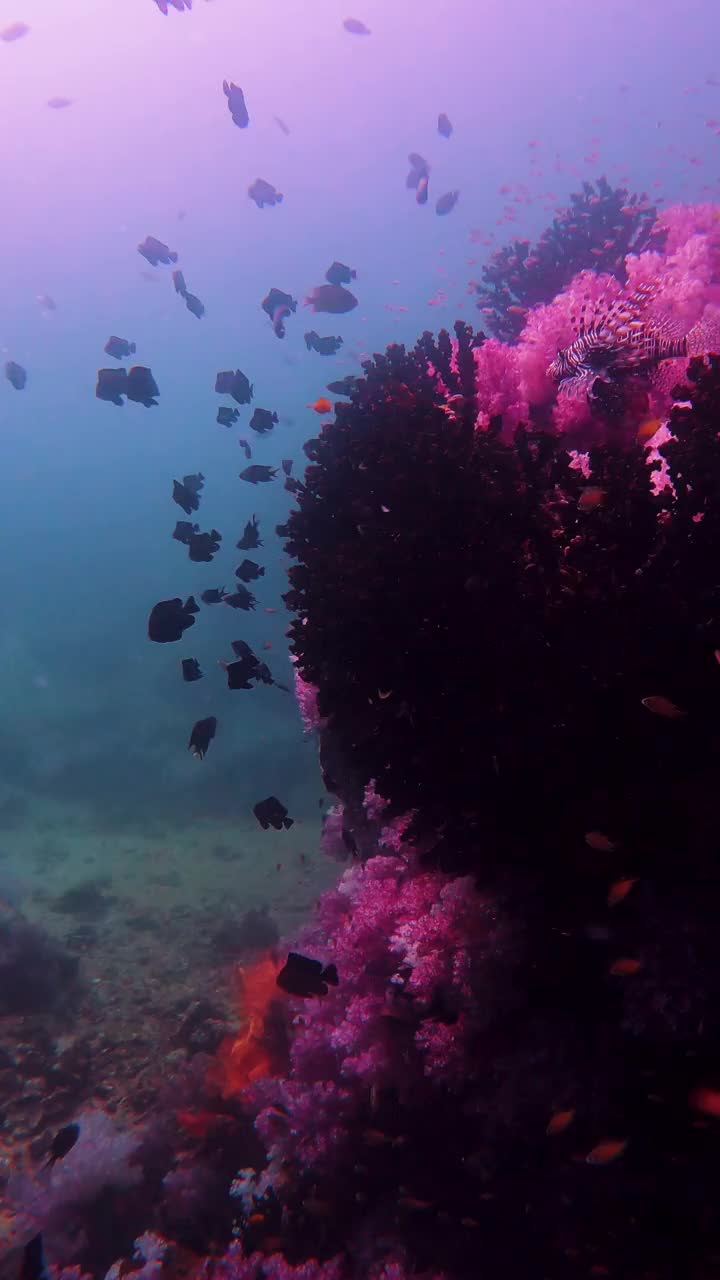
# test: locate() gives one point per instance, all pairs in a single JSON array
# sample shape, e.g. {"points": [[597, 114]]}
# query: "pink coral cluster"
{"points": [[236, 1266], [414, 950], [687, 272]]}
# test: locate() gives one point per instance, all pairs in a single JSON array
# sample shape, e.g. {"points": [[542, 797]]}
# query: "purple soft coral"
{"points": [[410, 947]]}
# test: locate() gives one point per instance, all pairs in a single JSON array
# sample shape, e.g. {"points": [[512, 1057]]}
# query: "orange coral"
{"points": [[247, 1056]]}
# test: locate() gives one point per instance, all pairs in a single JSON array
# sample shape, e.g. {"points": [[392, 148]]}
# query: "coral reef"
{"points": [[510, 656], [596, 232]]}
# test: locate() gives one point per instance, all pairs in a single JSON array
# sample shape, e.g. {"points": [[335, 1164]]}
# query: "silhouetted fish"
{"points": [[119, 348], [111, 385], [213, 595], [281, 125], [169, 618], [191, 670], [234, 384], [236, 104], [202, 735], [194, 305], [278, 306], [58, 104], [324, 346], [63, 1142], [271, 813], [249, 571], [240, 672], [447, 202], [301, 976], [178, 280], [257, 474], [203, 546], [287, 465], [241, 598], [15, 374], [419, 168], [187, 493], [155, 252], [33, 1261], [184, 531], [344, 386], [332, 298], [356, 27], [338, 273], [444, 126], [245, 447], [141, 386], [263, 420], [227, 416], [263, 193], [251, 536]]}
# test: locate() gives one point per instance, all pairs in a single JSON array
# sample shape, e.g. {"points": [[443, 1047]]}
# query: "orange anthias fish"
{"points": [[648, 429], [625, 967], [620, 889], [322, 405], [606, 1151], [600, 842], [559, 1122], [661, 706], [591, 497]]}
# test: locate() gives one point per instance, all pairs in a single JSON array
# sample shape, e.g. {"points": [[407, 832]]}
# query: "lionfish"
{"points": [[619, 340]]}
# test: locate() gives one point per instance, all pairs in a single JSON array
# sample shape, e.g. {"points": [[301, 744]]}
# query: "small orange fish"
{"points": [[413, 1204], [620, 889], [647, 430], [255, 1219], [321, 405], [316, 1208], [600, 842], [661, 706], [591, 497], [606, 1151], [625, 967], [559, 1122], [706, 1100]]}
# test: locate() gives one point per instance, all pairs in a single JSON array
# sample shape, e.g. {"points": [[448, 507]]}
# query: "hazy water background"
{"points": [[94, 717]]}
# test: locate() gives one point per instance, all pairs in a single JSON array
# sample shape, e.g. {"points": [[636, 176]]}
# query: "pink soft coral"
{"points": [[686, 276], [415, 951]]}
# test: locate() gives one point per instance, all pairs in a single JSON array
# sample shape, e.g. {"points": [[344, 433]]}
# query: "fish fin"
{"points": [[704, 337]]}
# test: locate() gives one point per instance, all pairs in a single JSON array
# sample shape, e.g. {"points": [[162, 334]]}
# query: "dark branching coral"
{"points": [[600, 227], [484, 643], [480, 638]]}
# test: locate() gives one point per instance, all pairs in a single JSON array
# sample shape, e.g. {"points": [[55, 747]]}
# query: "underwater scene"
{"points": [[360, 640]]}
